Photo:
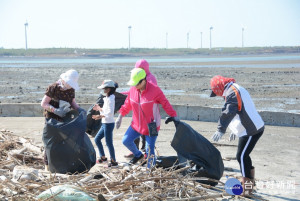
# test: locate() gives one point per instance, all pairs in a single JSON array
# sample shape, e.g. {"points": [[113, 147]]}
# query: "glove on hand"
{"points": [[231, 137], [64, 104], [64, 108], [119, 121], [174, 119], [61, 111], [217, 136]]}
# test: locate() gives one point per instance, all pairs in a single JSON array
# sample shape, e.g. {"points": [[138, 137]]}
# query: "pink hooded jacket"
{"points": [[142, 104], [149, 76], [145, 65]]}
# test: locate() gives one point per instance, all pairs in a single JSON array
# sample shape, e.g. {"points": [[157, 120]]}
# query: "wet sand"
{"points": [[272, 89]]}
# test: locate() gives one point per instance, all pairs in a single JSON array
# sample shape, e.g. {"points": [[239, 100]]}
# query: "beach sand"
{"points": [[275, 156]]}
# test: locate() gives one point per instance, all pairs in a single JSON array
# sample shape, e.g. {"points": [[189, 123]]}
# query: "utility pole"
{"points": [[26, 25]]}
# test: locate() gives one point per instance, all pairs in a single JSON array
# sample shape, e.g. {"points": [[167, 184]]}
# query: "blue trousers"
{"points": [[106, 131], [128, 141]]}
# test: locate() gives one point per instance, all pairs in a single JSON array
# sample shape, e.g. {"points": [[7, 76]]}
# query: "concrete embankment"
{"points": [[196, 113]]}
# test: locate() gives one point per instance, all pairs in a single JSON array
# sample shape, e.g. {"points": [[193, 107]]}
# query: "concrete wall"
{"points": [[196, 113]]}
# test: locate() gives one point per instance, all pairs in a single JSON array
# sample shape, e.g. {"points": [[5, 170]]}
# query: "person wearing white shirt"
{"points": [[108, 122]]}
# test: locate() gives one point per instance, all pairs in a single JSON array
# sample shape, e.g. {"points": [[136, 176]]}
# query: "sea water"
{"points": [[164, 62]]}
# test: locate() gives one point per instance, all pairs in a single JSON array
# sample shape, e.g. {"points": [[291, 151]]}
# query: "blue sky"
{"points": [[104, 24]]}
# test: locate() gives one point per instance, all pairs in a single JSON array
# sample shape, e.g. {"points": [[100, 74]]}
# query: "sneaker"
{"points": [[136, 159], [130, 155], [113, 164], [101, 160]]}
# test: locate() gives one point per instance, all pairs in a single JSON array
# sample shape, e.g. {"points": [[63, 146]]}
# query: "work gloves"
{"points": [[231, 137], [174, 119], [217, 136], [119, 121], [64, 108]]}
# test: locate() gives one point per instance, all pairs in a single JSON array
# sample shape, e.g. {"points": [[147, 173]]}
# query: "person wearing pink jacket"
{"points": [[140, 100], [150, 78]]}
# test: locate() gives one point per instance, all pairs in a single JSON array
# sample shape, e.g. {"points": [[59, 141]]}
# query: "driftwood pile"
{"points": [[23, 178]]}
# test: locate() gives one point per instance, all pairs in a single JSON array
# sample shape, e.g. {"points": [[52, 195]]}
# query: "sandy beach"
{"points": [[272, 89]]}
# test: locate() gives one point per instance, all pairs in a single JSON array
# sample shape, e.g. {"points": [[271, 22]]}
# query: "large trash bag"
{"points": [[93, 126], [191, 145], [68, 148]]}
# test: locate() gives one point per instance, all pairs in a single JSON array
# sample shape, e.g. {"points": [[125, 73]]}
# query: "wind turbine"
{"points": [[211, 28], [167, 40], [243, 28], [187, 39], [201, 38], [26, 25], [129, 29]]}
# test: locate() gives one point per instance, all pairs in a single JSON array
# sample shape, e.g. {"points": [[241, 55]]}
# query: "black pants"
{"points": [[245, 147]]}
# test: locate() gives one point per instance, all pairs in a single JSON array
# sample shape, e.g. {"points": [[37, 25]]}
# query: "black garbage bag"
{"points": [[68, 148], [166, 161], [206, 158], [93, 126]]}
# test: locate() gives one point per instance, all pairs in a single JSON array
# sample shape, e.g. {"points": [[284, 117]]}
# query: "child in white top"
{"points": [[108, 122]]}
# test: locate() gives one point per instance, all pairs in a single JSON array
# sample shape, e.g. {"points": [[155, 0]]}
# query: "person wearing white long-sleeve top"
{"points": [[108, 122]]}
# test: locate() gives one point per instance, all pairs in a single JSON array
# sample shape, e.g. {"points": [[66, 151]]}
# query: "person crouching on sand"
{"points": [[241, 116]]}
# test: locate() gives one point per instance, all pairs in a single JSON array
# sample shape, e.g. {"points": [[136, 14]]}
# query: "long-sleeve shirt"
{"points": [[108, 109], [142, 103], [239, 113]]}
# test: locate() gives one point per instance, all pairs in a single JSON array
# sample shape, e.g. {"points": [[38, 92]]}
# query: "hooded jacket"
{"points": [[239, 112], [150, 78], [142, 103]]}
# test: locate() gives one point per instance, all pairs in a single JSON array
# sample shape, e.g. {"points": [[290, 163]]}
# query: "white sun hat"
{"points": [[71, 78]]}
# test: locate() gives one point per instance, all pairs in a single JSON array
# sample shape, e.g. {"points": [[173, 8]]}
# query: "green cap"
{"points": [[137, 74]]}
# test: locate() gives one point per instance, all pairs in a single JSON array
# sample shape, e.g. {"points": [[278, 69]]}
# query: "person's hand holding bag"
{"points": [[64, 108]]}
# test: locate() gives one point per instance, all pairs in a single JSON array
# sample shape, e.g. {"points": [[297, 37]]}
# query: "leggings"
{"points": [[245, 146]]}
